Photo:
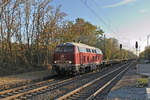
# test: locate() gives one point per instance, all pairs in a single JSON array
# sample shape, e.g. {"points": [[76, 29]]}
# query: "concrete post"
{"points": [[137, 71]]}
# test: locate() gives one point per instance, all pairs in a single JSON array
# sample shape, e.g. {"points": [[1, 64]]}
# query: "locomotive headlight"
{"points": [[70, 62]]}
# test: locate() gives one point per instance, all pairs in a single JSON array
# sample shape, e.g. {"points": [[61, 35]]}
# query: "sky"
{"points": [[126, 20]]}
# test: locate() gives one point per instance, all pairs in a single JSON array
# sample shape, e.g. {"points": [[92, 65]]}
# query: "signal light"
{"points": [[120, 46], [136, 45]]}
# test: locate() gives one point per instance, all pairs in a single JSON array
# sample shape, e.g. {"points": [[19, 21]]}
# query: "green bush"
{"points": [[142, 82]]}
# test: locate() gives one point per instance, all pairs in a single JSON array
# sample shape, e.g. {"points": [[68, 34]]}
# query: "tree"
{"points": [[146, 53]]}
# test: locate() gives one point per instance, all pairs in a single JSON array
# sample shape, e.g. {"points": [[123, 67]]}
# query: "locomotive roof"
{"points": [[80, 45], [77, 44]]}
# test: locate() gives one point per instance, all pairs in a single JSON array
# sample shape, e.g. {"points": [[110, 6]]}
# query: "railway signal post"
{"points": [[120, 51], [136, 46], [104, 46]]}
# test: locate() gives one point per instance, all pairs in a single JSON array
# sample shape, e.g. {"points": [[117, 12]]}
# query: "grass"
{"points": [[11, 69], [142, 82]]}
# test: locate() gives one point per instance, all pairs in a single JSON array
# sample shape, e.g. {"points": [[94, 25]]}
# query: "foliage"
{"points": [[145, 54], [142, 82], [31, 29], [112, 49]]}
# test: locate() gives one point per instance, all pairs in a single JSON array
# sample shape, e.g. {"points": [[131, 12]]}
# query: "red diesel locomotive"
{"points": [[70, 58]]}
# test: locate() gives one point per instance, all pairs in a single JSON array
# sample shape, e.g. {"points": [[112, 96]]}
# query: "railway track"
{"points": [[34, 89], [29, 91], [65, 89], [96, 89], [29, 82]]}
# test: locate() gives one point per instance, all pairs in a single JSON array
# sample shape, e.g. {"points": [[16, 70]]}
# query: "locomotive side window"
{"points": [[77, 49], [93, 51], [88, 50], [98, 51], [81, 49]]}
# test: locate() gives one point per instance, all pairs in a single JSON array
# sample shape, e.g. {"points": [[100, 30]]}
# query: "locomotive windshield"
{"points": [[64, 49]]}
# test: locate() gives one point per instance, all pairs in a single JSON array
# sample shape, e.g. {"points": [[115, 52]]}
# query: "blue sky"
{"points": [[126, 20]]}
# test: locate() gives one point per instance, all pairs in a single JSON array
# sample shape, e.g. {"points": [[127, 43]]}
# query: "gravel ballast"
{"points": [[126, 88]]}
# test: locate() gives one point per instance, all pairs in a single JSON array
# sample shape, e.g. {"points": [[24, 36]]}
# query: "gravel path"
{"points": [[126, 88]]}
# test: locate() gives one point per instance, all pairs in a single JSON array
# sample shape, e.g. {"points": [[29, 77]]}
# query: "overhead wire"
{"points": [[102, 19], [99, 17], [85, 3], [115, 31]]}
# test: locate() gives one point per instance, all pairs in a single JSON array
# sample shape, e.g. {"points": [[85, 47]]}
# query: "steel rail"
{"points": [[24, 87], [107, 84], [36, 89], [88, 84]]}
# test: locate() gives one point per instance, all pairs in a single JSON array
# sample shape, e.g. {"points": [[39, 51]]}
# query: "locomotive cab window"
{"points": [[64, 49], [58, 49], [68, 49]]}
